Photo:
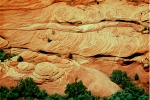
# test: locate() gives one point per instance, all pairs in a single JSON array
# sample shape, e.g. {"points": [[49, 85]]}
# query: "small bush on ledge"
{"points": [[3, 55], [20, 59]]}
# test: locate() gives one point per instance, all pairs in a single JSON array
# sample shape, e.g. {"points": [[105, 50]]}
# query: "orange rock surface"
{"points": [[102, 35]]}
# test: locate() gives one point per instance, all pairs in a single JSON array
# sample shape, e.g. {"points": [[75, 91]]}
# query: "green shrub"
{"points": [[136, 76], [129, 92], [12, 95], [117, 76], [27, 89], [77, 91], [49, 40], [120, 95], [20, 59], [55, 97], [3, 55], [70, 56], [42, 94], [3, 91], [126, 82]]}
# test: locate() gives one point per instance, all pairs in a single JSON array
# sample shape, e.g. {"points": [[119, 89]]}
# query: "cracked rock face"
{"points": [[101, 35]]}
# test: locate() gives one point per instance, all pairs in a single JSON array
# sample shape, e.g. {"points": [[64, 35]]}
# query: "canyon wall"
{"points": [[99, 35]]}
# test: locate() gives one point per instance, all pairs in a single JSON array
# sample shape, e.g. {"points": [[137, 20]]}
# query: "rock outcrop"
{"points": [[54, 73], [102, 35]]}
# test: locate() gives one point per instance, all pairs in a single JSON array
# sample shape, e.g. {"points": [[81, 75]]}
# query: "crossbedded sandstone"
{"points": [[102, 35]]}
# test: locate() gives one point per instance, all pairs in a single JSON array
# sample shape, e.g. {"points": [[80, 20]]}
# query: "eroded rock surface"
{"points": [[56, 73], [102, 35]]}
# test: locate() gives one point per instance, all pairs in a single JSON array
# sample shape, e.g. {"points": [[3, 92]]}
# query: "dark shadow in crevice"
{"points": [[44, 52], [135, 22], [2, 37], [97, 56], [129, 57], [125, 63], [134, 55], [100, 55], [147, 68]]}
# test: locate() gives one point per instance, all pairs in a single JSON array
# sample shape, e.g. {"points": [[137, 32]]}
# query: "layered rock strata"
{"points": [[102, 35]]}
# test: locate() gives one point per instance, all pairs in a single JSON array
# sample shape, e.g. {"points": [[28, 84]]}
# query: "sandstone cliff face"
{"points": [[53, 73], [102, 35]]}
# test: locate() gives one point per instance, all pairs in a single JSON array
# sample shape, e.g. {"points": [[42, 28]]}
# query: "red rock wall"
{"points": [[102, 35]]}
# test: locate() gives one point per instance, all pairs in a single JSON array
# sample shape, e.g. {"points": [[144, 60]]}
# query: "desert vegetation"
{"points": [[27, 89]]}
